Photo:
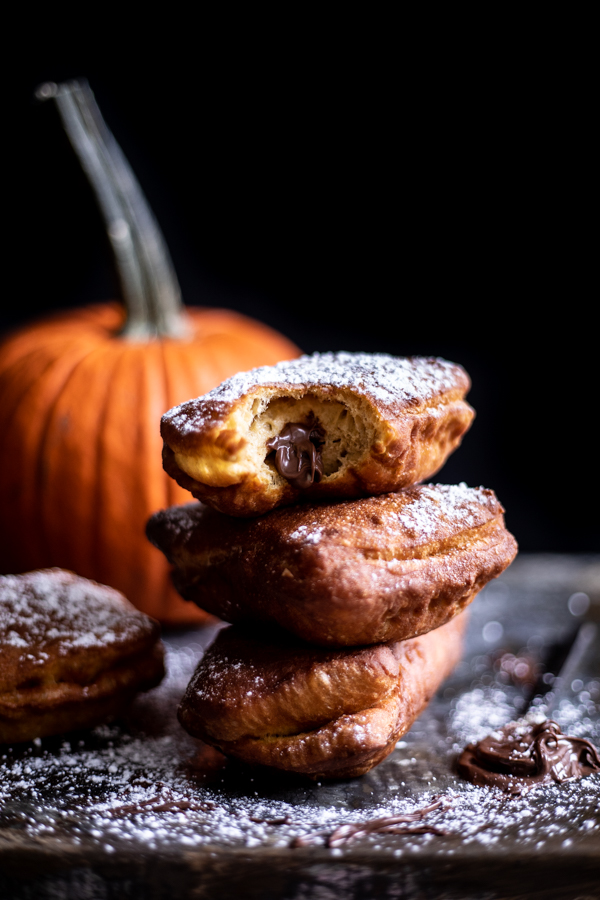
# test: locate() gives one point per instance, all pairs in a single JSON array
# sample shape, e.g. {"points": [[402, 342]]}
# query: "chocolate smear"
{"points": [[165, 801], [522, 755], [297, 456], [400, 824]]}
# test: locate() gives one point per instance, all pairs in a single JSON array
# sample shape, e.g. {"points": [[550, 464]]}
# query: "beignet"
{"points": [[72, 653], [341, 574], [330, 425], [269, 699]]}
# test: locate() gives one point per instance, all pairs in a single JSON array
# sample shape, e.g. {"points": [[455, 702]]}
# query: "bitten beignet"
{"points": [[72, 653], [341, 574], [271, 700], [331, 425]]}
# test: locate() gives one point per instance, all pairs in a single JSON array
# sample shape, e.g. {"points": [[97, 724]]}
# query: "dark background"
{"points": [[353, 201]]}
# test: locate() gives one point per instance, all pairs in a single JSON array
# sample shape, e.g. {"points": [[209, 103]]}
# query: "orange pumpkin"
{"points": [[81, 396]]}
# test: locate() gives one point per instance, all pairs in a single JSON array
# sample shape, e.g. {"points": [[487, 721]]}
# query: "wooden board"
{"points": [[139, 809]]}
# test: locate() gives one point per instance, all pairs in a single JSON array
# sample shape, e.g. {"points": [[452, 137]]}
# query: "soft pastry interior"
{"points": [[350, 429], [373, 423]]}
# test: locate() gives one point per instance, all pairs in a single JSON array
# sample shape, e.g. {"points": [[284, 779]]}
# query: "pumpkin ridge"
{"points": [[71, 461], [36, 356], [170, 391], [109, 473], [96, 322], [155, 491], [34, 408], [55, 465], [19, 495], [19, 387]]}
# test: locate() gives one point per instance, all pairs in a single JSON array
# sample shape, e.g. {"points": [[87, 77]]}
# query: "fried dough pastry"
{"points": [[341, 574], [331, 425], [72, 653], [269, 699]]}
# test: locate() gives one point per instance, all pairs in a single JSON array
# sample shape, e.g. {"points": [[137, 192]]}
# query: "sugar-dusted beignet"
{"points": [[72, 653], [331, 425], [269, 699], [341, 574]]}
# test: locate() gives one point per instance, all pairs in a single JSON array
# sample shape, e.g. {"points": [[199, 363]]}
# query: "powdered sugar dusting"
{"points": [[425, 508], [54, 608], [386, 380], [151, 785], [455, 504], [145, 785], [219, 669], [307, 534]]}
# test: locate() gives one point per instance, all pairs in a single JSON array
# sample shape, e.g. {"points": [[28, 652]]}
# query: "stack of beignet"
{"points": [[342, 577]]}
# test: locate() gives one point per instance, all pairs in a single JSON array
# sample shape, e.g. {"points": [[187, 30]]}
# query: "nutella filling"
{"points": [[521, 755], [297, 456]]}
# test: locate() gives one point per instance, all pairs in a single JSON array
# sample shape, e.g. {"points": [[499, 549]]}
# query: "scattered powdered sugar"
{"points": [[479, 712], [387, 380], [219, 669], [425, 508], [307, 534], [145, 783], [53, 607], [455, 504]]}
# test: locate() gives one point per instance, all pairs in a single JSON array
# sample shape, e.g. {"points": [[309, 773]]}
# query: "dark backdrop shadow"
{"points": [[350, 210]]}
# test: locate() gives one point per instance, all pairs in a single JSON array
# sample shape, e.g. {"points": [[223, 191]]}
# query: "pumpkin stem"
{"points": [[150, 288]]}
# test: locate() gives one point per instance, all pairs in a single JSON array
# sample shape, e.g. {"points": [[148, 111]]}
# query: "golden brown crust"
{"points": [[52, 708], [72, 652], [388, 422], [348, 743], [341, 574], [257, 683]]}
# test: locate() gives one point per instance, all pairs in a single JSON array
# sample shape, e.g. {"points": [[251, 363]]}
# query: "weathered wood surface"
{"points": [[139, 809]]}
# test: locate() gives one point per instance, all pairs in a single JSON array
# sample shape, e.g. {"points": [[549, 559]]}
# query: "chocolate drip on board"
{"points": [[297, 456], [522, 755], [399, 824]]}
